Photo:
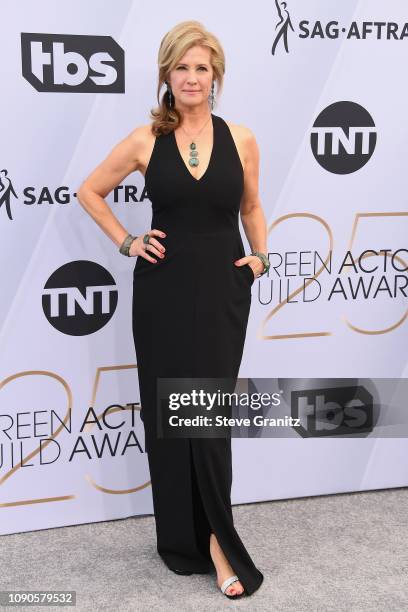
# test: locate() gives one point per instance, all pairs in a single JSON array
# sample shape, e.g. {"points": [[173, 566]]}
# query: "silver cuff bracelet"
{"points": [[125, 246]]}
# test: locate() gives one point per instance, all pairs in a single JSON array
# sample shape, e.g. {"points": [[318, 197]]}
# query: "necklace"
{"points": [[193, 161]]}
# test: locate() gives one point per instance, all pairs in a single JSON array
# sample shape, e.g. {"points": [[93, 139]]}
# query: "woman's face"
{"points": [[191, 78]]}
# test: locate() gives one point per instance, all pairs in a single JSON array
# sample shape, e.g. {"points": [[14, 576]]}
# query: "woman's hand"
{"points": [[254, 262], [138, 247]]}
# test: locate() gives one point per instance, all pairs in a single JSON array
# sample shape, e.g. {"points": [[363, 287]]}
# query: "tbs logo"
{"points": [[72, 63], [332, 412]]}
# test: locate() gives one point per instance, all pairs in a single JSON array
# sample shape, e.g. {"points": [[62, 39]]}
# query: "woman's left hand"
{"points": [[254, 262]]}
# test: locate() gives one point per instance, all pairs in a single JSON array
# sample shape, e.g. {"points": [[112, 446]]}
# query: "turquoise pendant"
{"points": [[193, 161]]}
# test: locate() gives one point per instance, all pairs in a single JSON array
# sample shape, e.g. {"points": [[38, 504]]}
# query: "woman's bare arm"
{"points": [[121, 161], [125, 157], [252, 215]]}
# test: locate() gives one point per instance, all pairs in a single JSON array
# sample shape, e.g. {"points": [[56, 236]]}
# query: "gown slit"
{"points": [[190, 313]]}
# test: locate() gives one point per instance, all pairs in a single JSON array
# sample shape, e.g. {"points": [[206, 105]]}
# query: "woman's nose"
{"points": [[192, 78]]}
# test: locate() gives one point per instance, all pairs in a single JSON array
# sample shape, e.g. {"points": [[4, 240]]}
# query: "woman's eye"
{"points": [[182, 68]]}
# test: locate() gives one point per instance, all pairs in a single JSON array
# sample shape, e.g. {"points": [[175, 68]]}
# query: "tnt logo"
{"points": [[343, 137], [72, 63], [332, 412], [79, 298]]}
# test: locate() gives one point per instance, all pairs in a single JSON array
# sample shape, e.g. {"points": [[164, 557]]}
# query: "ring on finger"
{"points": [[146, 238]]}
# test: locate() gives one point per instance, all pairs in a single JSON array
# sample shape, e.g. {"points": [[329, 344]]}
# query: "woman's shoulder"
{"points": [[142, 133], [241, 131], [138, 144], [142, 139], [244, 140]]}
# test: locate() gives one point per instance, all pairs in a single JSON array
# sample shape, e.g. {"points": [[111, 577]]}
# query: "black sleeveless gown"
{"points": [[190, 313]]}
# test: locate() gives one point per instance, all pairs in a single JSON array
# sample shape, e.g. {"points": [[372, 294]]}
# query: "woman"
{"points": [[190, 302]]}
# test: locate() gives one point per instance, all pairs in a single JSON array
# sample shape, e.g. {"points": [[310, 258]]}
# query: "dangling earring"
{"points": [[169, 93], [212, 96]]}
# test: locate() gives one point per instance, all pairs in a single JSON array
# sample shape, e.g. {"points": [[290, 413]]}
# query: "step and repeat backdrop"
{"points": [[321, 85]]}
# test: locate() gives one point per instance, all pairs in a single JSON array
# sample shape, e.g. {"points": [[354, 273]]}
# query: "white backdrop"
{"points": [[340, 77]]}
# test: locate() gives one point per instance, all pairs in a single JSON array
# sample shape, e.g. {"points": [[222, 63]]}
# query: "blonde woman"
{"points": [[191, 290]]}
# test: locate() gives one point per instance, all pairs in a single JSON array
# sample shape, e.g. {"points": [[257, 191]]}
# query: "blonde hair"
{"points": [[173, 46]]}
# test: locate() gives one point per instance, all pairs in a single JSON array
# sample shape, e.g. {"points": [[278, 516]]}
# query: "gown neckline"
{"points": [[211, 155]]}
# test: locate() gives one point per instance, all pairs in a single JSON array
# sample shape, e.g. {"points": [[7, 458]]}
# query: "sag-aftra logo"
{"points": [[285, 32]]}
